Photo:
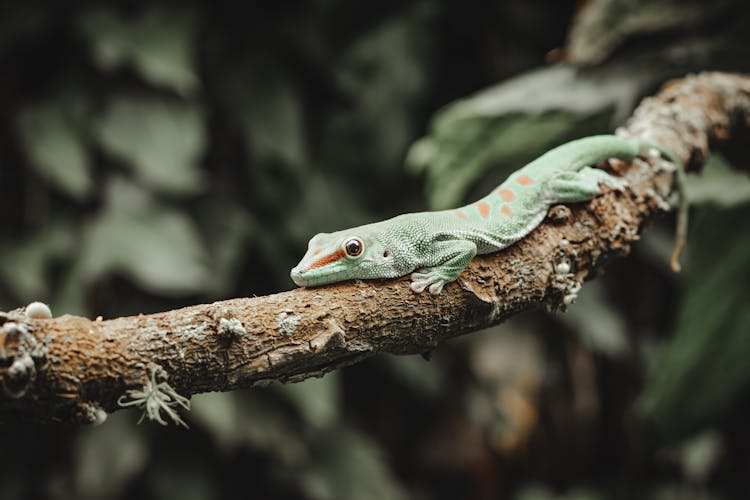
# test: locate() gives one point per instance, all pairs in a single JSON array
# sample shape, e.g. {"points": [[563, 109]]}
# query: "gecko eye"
{"points": [[353, 247]]}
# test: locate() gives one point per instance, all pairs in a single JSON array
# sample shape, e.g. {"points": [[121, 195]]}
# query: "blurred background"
{"points": [[160, 154]]}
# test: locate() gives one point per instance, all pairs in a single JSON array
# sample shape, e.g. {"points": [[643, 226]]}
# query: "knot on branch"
{"points": [[21, 354]]}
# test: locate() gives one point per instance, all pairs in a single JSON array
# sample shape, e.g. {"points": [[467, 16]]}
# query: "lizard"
{"points": [[435, 247]]}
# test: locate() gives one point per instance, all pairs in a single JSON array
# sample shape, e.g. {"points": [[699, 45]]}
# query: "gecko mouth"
{"points": [[311, 274], [308, 277]]}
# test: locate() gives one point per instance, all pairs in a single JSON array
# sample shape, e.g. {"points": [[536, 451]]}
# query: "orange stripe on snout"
{"points": [[507, 195], [316, 252], [484, 209], [323, 261], [525, 180], [460, 214]]}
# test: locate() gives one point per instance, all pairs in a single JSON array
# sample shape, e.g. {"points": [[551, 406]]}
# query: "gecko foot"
{"points": [[431, 278], [569, 187], [453, 256]]}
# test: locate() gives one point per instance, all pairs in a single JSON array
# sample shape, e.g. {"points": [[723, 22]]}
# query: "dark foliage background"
{"points": [[160, 154]]}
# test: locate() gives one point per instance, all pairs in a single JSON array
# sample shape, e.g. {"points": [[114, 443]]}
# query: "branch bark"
{"points": [[74, 369]]}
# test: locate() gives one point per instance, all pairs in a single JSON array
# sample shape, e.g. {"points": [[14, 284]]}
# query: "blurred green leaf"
{"points": [[424, 377], [469, 150], [506, 125], [383, 75], [158, 43], [107, 457], [162, 140], [54, 140], [272, 118], [320, 208], [24, 265], [217, 412], [70, 293], [183, 478], [248, 418], [266, 425], [227, 228], [535, 491], [718, 183], [334, 462], [158, 247], [704, 368], [317, 399], [553, 88], [348, 466], [700, 455], [678, 491], [602, 26]]}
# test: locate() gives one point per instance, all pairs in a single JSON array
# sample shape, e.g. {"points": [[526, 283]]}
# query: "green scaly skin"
{"points": [[439, 245]]}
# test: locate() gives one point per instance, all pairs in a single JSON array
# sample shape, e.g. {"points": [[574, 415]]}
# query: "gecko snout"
{"points": [[296, 276]]}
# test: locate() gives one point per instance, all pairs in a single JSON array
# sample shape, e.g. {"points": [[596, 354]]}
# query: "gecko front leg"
{"points": [[451, 257]]}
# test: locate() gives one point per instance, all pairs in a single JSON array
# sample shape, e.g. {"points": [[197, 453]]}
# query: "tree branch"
{"points": [[74, 369]]}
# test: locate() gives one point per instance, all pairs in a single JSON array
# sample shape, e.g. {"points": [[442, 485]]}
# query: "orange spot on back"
{"points": [[460, 214], [525, 180], [484, 209], [507, 195], [507, 211], [328, 259]]}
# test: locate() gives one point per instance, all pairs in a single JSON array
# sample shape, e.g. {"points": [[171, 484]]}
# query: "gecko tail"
{"points": [[681, 230], [682, 209]]}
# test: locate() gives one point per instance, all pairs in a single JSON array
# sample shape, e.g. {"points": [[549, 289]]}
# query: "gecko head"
{"points": [[343, 255]]}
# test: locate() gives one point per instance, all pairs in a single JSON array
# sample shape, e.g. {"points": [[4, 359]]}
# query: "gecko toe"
{"points": [[617, 183]]}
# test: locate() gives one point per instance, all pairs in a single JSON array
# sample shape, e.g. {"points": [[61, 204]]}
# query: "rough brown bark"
{"points": [[74, 369]]}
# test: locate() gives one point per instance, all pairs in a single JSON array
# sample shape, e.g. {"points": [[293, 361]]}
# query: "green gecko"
{"points": [[436, 246]]}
